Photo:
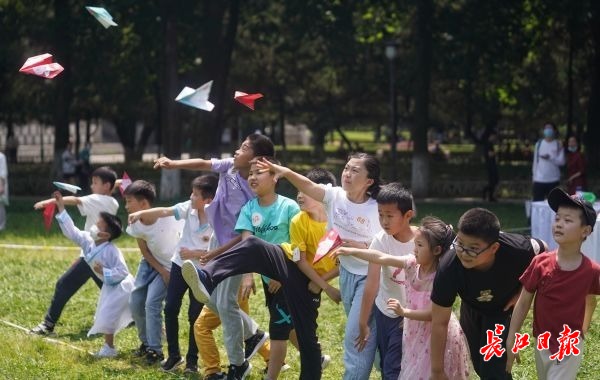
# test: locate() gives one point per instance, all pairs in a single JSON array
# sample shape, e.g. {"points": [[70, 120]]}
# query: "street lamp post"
{"points": [[391, 52]]}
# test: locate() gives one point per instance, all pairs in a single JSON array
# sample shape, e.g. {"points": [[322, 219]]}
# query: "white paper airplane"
{"points": [[67, 186], [102, 16], [197, 98]]}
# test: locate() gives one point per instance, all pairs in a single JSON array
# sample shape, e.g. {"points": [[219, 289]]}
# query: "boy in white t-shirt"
{"points": [[193, 244], [157, 239], [395, 205], [90, 206]]}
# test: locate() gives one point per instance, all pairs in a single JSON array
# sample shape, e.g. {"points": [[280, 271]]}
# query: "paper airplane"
{"points": [[247, 99], [125, 182], [42, 66], [327, 244], [197, 98], [102, 15], [48, 213], [67, 186]]}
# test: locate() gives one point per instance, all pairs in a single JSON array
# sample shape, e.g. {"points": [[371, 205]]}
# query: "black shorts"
{"points": [[280, 319]]}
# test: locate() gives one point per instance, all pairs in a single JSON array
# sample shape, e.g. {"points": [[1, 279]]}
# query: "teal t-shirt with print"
{"points": [[271, 223]]}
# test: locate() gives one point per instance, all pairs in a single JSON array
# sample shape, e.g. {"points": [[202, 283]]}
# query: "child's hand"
{"points": [[163, 162], [355, 244], [395, 306], [190, 254], [334, 294], [248, 287], [134, 217], [341, 251], [59, 200], [277, 170], [206, 256], [40, 205], [274, 286], [98, 268]]}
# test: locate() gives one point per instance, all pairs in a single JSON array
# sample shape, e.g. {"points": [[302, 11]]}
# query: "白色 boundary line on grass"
{"points": [[54, 247]]}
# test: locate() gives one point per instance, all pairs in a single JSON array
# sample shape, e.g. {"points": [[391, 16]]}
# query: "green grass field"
{"points": [[27, 278]]}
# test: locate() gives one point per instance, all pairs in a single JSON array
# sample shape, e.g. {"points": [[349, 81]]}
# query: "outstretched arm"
{"points": [[151, 213], [68, 201], [372, 256], [191, 164], [299, 181], [415, 314]]}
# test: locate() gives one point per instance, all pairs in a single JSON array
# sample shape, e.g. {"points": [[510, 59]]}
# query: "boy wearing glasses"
{"points": [[483, 268]]}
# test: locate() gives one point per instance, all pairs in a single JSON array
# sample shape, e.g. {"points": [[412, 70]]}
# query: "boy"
{"points": [[108, 264], [90, 206], [560, 281], [275, 261], [194, 240], [157, 239], [483, 268], [395, 206], [232, 193]]}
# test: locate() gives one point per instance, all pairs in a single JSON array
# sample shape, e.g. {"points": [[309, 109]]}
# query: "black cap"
{"points": [[559, 197]]}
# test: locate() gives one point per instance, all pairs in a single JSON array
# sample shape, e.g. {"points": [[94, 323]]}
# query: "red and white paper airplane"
{"points": [[48, 215], [247, 99], [125, 182], [42, 66], [327, 244]]}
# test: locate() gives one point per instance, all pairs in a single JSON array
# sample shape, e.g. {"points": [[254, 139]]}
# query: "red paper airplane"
{"points": [[42, 66], [48, 215], [125, 182], [247, 99], [327, 244]]}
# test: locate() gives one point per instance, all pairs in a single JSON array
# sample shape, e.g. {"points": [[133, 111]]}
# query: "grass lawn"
{"points": [[27, 278]]}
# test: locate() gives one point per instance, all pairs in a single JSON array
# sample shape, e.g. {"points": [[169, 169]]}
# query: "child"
{"points": [[90, 206], [157, 239], [483, 268], [108, 264], [560, 281], [395, 205], [232, 193], [431, 241], [352, 212], [195, 236]]}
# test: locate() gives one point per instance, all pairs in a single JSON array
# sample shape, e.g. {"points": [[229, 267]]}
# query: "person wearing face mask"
{"points": [[108, 264], [548, 157], [576, 177]]}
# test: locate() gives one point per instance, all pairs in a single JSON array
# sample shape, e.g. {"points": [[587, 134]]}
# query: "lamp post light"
{"points": [[391, 52]]}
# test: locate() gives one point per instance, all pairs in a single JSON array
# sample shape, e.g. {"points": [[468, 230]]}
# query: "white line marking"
{"points": [[51, 340], [54, 247]]}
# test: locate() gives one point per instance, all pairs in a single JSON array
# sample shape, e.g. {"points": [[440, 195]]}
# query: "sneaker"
{"points": [[43, 329], [325, 359], [153, 357], [254, 343], [239, 372], [106, 352], [140, 351], [215, 376], [171, 363], [197, 281], [192, 368]]}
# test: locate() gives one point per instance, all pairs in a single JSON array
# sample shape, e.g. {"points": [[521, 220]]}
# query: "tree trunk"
{"points": [[592, 140], [171, 130], [420, 165]]}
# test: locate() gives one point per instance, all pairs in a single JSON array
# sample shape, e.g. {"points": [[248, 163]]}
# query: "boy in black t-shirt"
{"points": [[483, 268]]}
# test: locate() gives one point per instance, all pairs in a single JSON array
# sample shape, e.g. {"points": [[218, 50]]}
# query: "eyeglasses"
{"points": [[469, 252]]}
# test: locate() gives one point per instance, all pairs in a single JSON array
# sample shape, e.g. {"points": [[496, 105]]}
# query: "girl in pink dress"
{"points": [[431, 241]]}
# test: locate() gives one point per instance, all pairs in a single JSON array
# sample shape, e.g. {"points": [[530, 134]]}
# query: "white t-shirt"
{"points": [[92, 205], [391, 280], [195, 235], [547, 170], [161, 237], [354, 221]]}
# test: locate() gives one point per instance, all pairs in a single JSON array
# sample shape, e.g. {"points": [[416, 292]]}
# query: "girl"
{"points": [[352, 212], [433, 238]]}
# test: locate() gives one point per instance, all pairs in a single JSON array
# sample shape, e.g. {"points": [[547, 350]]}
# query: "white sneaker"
{"points": [[106, 352], [325, 359]]}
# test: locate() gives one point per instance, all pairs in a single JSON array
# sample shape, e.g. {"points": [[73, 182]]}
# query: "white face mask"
{"points": [[94, 232]]}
